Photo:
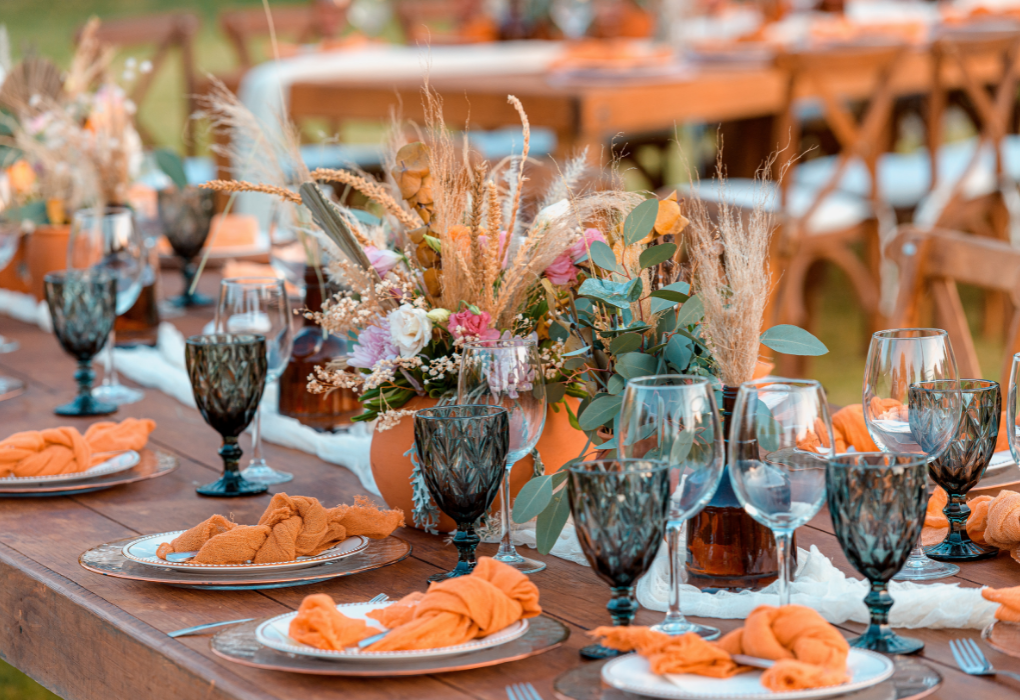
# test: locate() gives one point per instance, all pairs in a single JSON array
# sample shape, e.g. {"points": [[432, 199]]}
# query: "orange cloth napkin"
{"points": [[66, 451], [993, 521], [290, 527], [457, 610], [1008, 600], [809, 652], [319, 624], [850, 431]]}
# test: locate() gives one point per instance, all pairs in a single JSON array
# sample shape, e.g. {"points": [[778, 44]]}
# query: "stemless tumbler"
{"points": [[619, 508], [780, 437], [897, 360], [877, 501], [82, 307], [228, 375], [673, 418], [961, 466], [462, 452]]}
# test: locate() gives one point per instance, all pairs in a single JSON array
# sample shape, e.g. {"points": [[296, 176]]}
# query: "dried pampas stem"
{"points": [[520, 173], [242, 186], [373, 190], [732, 276]]}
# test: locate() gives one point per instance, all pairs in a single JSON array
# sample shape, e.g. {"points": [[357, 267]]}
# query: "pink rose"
{"points": [[580, 248], [465, 323], [562, 271], [382, 260]]}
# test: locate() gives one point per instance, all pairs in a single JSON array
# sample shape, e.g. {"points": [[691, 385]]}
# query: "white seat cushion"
{"points": [[838, 211]]}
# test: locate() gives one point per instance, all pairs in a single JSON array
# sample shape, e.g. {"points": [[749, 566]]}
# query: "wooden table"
{"points": [[90, 637]]}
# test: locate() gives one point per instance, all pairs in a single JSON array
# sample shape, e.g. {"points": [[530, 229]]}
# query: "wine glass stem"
{"points": [[506, 544], [109, 367], [674, 617], [256, 437], [783, 553]]}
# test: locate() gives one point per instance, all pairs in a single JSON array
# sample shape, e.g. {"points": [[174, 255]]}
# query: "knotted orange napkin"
{"points": [[789, 632], [319, 624], [849, 429], [290, 527], [993, 521], [686, 653], [66, 451], [788, 674], [457, 610], [1008, 600]]}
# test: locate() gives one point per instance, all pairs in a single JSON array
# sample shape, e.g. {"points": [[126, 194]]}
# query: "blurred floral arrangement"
{"points": [[66, 141]]}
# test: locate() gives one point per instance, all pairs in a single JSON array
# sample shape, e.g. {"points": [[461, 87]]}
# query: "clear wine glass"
{"points": [[897, 360], [107, 239], [259, 305], [370, 16], [780, 441], [673, 419], [1011, 427], [10, 236], [573, 17], [508, 373]]}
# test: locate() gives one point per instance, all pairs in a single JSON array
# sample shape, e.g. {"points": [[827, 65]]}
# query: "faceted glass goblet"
{"points": [[877, 502], [228, 375], [963, 464], [462, 452], [619, 508], [83, 307], [186, 217]]}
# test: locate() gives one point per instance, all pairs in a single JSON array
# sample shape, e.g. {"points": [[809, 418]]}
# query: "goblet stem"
{"points": [[466, 541], [84, 375], [622, 608], [783, 554], [231, 483], [957, 512], [188, 271], [85, 404], [879, 636]]}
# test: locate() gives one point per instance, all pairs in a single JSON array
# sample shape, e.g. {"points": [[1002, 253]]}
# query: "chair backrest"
{"points": [[834, 76], [984, 63], [302, 23], [437, 21], [168, 31], [931, 263]]}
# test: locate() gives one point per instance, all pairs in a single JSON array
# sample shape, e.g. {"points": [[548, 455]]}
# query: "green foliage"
{"points": [[640, 221], [602, 255], [791, 340], [650, 257], [172, 166]]}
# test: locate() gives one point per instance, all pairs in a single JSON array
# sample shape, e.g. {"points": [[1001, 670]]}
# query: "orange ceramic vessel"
{"points": [[559, 443], [45, 252]]}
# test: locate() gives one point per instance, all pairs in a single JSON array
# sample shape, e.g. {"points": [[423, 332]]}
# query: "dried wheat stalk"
{"points": [[242, 186], [373, 190]]}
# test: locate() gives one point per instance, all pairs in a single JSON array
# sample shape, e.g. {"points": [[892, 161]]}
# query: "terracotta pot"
{"points": [[559, 443], [45, 252], [15, 277]]}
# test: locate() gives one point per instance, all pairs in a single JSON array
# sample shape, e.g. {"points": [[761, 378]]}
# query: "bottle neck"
{"points": [[313, 291]]}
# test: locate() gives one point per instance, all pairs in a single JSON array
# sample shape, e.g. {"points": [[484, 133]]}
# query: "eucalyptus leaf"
{"points": [[640, 222], [600, 411], [172, 166], [635, 364], [532, 499], [634, 291], [669, 296], [558, 331], [666, 323], [769, 431], [679, 351], [791, 340], [602, 255], [680, 448], [615, 384], [691, 312], [551, 521], [628, 342], [577, 353], [555, 391], [574, 363], [656, 254], [612, 293]]}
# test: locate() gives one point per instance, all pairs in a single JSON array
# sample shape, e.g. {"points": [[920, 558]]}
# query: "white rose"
{"points": [[552, 212], [410, 328]]}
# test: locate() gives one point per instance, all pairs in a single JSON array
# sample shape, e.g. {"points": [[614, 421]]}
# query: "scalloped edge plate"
{"points": [[118, 463]]}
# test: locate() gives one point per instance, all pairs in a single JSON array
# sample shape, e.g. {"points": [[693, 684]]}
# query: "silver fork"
{"points": [[972, 660], [522, 691], [202, 628]]}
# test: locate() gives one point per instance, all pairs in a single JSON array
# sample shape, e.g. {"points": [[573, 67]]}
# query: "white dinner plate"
{"points": [[631, 673], [118, 463], [143, 551], [274, 633], [1000, 460]]}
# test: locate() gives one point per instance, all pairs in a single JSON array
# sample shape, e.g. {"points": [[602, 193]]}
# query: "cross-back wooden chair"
{"points": [[931, 264], [442, 21], [819, 222], [301, 23], [168, 32]]}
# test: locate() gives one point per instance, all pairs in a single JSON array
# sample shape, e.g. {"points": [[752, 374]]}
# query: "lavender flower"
{"points": [[375, 343]]}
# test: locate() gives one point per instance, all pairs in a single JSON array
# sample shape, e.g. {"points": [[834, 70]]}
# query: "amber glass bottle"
{"points": [[139, 325], [726, 547], [324, 412]]}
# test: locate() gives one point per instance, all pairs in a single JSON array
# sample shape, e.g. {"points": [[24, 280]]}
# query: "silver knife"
{"points": [[754, 661]]}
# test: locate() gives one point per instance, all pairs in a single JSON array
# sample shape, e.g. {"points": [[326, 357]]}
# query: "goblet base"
{"points": [[187, 301], [597, 651], [117, 394], [675, 629], [264, 474], [886, 641], [231, 484], [960, 551], [461, 569], [10, 387], [86, 405], [921, 568], [524, 565]]}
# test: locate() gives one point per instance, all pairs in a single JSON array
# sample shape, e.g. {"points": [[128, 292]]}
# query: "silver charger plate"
{"points": [[117, 463]]}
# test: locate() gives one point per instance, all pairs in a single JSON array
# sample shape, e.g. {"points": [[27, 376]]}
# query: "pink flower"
{"points": [[382, 260], [465, 323], [374, 343], [562, 271], [580, 248], [483, 242]]}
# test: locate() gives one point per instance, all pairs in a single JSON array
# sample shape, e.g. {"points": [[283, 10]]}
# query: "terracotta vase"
{"points": [[45, 252], [14, 277], [559, 443]]}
